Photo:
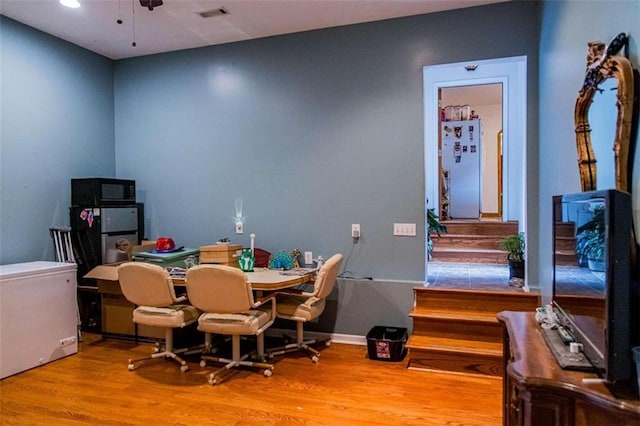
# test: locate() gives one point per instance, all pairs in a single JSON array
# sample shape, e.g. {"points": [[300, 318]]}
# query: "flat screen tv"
{"points": [[592, 277]]}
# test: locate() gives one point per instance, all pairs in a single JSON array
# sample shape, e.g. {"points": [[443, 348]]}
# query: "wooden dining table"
{"points": [[273, 279], [265, 279]]}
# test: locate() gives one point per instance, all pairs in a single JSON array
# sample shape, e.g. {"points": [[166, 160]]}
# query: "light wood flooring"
{"points": [[345, 387]]}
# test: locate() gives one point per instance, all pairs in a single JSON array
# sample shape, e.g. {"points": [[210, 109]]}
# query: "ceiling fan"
{"points": [[150, 4]]}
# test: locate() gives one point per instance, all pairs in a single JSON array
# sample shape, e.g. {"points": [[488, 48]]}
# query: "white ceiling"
{"points": [[177, 24]]}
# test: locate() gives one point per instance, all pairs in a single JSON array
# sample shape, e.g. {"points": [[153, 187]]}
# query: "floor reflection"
{"points": [[580, 281]]}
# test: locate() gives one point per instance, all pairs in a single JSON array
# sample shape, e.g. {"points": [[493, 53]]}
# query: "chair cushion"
{"points": [[174, 316], [301, 307], [244, 323]]}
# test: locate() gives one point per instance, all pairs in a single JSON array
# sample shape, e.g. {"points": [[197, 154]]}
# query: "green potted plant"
{"points": [[590, 241], [594, 250], [513, 244], [433, 225]]}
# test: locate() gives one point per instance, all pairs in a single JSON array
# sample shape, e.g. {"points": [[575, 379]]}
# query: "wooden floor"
{"points": [[94, 387]]}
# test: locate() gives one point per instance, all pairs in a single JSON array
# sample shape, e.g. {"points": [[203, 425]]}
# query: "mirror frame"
{"points": [[602, 63]]}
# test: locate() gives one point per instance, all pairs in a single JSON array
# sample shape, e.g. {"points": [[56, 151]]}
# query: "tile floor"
{"points": [[470, 276], [480, 276]]}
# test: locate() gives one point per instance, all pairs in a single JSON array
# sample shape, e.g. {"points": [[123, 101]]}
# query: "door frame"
{"points": [[512, 73]]}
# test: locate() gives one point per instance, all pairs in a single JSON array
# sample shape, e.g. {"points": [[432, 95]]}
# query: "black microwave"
{"points": [[102, 191]]}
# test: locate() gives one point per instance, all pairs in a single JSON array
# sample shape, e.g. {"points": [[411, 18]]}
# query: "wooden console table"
{"points": [[536, 391]]}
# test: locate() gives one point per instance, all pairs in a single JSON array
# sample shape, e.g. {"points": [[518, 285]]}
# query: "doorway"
{"points": [[471, 176], [510, 73]]}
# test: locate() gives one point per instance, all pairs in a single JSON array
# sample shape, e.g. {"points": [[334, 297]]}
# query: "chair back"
{"points": [[218, 288], [146, 284], [327, 275]]}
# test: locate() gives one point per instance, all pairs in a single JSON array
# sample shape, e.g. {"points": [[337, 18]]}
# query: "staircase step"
{"points": [[445, 344], [455, 355], [476, 227], [565, 229], [457, 330], [474, 302], [565, 258], [472, 331], [452, 315], [565, 243], [472, 241], [462, 241], [468, 255]]}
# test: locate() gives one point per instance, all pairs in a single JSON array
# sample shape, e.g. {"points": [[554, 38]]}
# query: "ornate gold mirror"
{"points": [[604, 62]]}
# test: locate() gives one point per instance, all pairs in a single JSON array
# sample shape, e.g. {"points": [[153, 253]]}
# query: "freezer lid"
{"points": [[17, 270]]}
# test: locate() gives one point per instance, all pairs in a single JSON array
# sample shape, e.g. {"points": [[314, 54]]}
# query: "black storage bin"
{"points": [[386, 343]]}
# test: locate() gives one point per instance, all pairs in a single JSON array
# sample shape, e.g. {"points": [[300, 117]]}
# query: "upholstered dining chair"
{"points": [[150, 288], [304, 306], [224, 295]]}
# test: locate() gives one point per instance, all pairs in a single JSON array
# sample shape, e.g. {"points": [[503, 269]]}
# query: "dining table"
{"points": [[264, 279]]}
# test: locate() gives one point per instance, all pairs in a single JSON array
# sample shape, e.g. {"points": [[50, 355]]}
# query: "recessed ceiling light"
{"points": [[70, 3]]}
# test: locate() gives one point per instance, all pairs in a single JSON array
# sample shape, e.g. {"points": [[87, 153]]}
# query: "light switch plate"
{"points": [[404, 229]]}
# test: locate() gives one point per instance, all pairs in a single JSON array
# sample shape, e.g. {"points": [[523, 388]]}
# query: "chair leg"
{"points": [[236, 360], [301, 345], [168, 352]]}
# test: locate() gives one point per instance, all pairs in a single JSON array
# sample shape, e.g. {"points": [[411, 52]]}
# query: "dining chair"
{"points": [[150, 288], [303, 307], [225, 297]]}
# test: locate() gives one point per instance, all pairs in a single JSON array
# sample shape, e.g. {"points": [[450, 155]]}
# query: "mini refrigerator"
{"points": [[104, 234], [461, 150], [38, 314]]}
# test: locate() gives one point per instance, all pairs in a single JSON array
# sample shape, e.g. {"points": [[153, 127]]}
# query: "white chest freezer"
{"points": [[38, 314]]}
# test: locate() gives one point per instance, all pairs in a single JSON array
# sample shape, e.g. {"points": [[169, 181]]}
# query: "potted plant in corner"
{"points": [[513, 244], [433, 225]]}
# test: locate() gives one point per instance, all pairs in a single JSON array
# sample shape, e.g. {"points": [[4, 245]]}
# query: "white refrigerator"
{"points": [[38, 314], [461, 150]]}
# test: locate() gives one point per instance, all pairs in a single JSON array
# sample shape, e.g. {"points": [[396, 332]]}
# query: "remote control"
{"points": [[565, 336]]}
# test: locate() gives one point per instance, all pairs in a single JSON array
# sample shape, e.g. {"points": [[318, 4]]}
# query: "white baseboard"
{"points": [[347, 339]]}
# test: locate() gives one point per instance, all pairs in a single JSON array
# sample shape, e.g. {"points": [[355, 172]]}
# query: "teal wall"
{"points": [[313, 131], [566, 28], [56, 112]]}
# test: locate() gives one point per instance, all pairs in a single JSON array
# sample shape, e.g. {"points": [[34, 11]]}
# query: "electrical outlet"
{"points": [[355, 230], [239, 228], [308, 257]]}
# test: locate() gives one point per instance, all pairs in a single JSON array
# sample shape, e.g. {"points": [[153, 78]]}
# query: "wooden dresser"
{"points": [[536, 391]]}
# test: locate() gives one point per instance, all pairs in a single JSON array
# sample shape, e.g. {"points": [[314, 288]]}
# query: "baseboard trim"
{"points": [[490, 215], [347, 339]]}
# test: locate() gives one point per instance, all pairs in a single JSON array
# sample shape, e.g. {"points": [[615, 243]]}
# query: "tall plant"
{"points": [[433, 226]]}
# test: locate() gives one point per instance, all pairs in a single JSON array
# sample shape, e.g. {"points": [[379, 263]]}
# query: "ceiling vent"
{"points": [[213, 12]]}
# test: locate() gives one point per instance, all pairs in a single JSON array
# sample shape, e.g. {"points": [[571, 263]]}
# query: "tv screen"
{"points": [[592, 238]]}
